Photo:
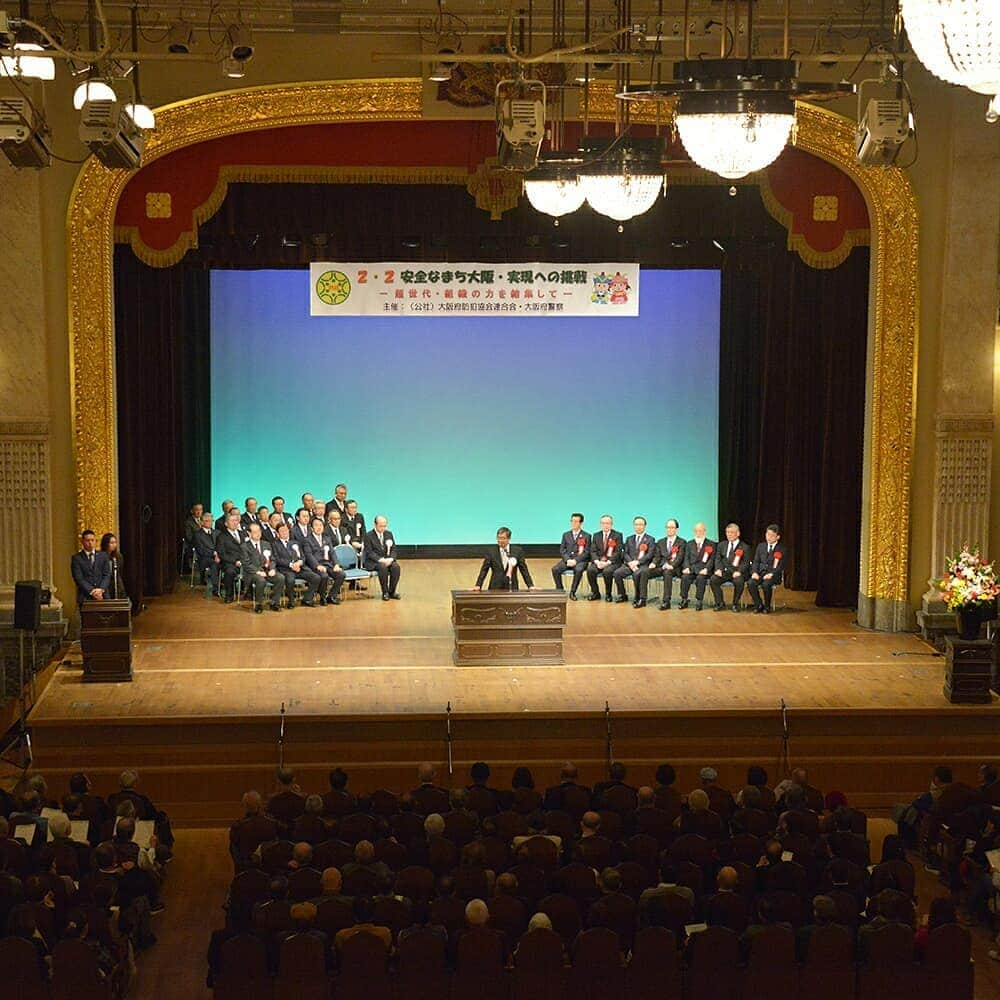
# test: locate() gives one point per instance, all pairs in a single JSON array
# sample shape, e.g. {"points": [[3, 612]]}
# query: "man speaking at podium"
{"points": [[503, 562]]}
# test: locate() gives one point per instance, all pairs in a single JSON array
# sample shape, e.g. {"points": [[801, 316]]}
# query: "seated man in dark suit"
{"points": [[290, 563], [320, 559], [91, 570], [229, 546], [699, 562], [574, 554], [568, 796], [355, 525], [254, 829], [667, 563], [638, 553], [193, 522], [731, 566], [380, 555], [259, 571], [203, 543], [269, 528], [605, 558], [301, 528], [503, 563], [335, 530], [767, 570]]}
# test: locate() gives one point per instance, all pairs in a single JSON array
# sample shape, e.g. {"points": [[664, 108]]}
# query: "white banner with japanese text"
{"points": [[392, 288]]}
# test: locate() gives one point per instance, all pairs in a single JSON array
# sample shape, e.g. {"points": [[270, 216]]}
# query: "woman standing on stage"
{"points": [[109, 546]]}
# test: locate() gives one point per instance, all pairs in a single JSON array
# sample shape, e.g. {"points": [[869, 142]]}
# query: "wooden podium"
{"points": [[501, 626], [106, 640]]}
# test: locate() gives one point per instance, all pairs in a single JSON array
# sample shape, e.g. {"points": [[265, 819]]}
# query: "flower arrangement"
{"points": [[969, 581]]}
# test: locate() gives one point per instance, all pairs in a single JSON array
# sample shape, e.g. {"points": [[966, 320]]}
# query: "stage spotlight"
{"points": [[180, 38], [22, 135], [111, 134], [233, 69], [93, 89], [241, 46]]}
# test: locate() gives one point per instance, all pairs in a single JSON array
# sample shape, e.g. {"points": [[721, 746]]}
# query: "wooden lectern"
{"points": [[508, 626], [106, 640]]}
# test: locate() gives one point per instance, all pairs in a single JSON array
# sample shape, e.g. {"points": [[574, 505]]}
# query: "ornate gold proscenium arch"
{"points": [[883, 601]]}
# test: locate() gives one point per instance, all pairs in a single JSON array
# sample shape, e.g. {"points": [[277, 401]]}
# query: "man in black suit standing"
{"points": [[229, 546], [503, 563], [574, 554], [767, 570], [339, 501], [380, 555], [605, 558], [278, 507], [355, 525], [320, 559], [290, 563], [259, 571], [300, 529], [732, 563], [699, 562], [91, 570], [203, 544], [220, 523], [668, 562], [638, 553]]}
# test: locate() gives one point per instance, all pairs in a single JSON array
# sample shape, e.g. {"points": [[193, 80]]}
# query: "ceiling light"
{"points": [[142, 115], [93, 89], [553, 187], [26, 65], [180, 37], [241, 47], [624, 177], [958, 41], [735, 116]]}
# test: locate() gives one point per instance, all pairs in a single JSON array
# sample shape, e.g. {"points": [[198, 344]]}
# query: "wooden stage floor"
{"points": [[368, 682], [197, 658]]}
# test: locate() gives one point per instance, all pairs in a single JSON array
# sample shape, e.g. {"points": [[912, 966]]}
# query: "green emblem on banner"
{"points": [[333, 288]]}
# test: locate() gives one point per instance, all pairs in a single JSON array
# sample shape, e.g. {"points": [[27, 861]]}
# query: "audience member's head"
{"points": [[750, 797], [73, 806], [446, 886], [476, 913], [893, 848], [568, 772], [59, 825], [303, 915], [756, 776], [434, 825], [302, 854], [698, 800], [405, 803], [129, 779], [126, 809], [795, 797], [125, 829], [800, 777], [252, 803], [617, 771], [507, 884], [331, 882], [364, 852], [665, 775], [480, 772], [286, 778], [277, 888], [942, 911], [611, 880], [457, 797], [104, 857], [79, 783], [540, 921], [709, 776], [645, 796], [727, 880], [843, 820], [338, 779], [942, 776], [590, 823], [834, 801], [425, 773], [314, 805], [824, 910], [522, 778]]}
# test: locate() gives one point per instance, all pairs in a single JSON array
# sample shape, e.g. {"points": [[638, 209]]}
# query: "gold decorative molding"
{"points": [[893, 308]]}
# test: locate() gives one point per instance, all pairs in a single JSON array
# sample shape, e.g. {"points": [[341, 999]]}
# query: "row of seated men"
{"points": [[460, 871], [77, 891], [700, 562], [270, 553]]}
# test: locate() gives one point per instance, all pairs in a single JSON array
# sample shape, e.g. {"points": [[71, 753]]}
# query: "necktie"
{"points": [[257, 546], [503, 553], [605, 540], [90, 555], [770, 549], [729, 555], [699, 546]]}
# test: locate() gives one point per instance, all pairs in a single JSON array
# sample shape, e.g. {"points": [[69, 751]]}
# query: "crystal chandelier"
{"points": [[959, 42], [553, 187], [626, 180], [734, 144]]}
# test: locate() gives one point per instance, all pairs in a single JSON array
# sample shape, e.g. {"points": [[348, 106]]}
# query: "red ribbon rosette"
{"points": [[612, 545], [581, 544], [708, 551], [673, 550], [777, 559], [642, 548]]}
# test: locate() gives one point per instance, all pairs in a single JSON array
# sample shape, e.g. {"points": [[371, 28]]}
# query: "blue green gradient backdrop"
{"points": [[453, 426]]}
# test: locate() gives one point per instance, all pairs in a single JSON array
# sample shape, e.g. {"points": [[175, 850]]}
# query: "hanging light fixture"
{"points": [[624, 178], [26, 64], [553, 187], [93, 89], [735, 115], [959, 42]]}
